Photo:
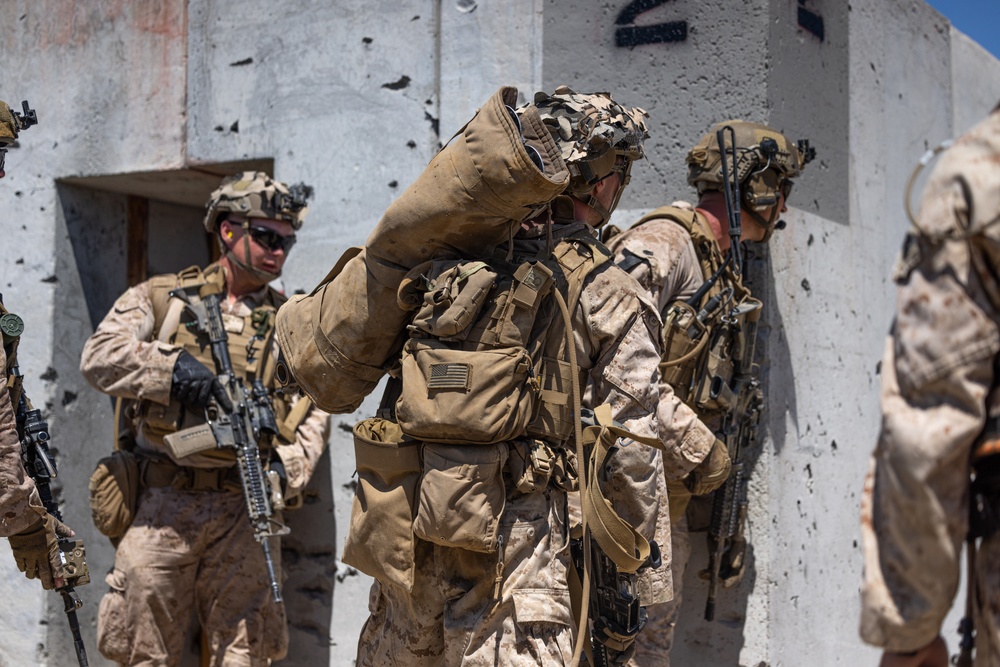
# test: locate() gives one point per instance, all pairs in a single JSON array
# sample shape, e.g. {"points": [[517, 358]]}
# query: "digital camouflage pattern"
{"points": [[254, 194], [669, 270], [938, 373], [186, 550], [450, 617], [20, 506], [191, 551]]}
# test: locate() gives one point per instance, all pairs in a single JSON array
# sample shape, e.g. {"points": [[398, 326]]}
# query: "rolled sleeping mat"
{"points": [[338, 341]]}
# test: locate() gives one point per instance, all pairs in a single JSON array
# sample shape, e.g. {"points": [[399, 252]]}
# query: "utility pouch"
{"points": [[114, 493], [684, 339], [190, 441], [448, 295], [380, 540], [461, 396], [713, 391], [461, 496]]}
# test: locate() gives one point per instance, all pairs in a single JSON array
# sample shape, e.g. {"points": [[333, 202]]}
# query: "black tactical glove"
{"points": [[193, 384], [711, 473], [36, 550]]}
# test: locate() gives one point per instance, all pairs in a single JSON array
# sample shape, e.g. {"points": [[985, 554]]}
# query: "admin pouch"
{"points": [[338, 341], [380, 540], [477, 384]]}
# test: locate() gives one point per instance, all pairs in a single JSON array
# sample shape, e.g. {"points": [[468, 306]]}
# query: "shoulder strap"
{"points": [[167, 311]]}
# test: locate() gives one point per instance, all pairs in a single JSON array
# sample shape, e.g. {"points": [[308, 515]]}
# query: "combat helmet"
{"points": [[597, 137], [766, 163], [254, 194]]}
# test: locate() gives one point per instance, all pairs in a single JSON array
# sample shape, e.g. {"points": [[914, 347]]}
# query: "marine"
{"points": [[184, 542]]}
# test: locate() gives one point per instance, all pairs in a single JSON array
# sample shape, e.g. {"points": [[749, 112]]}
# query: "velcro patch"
{"points": [[450, 376]]}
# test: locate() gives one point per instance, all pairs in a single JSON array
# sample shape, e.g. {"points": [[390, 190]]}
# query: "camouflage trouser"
{"points": [[652, 648], [452, 616], [191, 552]]}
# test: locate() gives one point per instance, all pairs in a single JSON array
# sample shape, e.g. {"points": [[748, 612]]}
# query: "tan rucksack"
{"points": [[338, 340]]}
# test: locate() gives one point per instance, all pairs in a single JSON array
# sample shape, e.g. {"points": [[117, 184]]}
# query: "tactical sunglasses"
{"points": [[271, 239]]}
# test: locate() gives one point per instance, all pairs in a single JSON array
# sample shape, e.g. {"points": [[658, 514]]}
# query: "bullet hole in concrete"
{"points": [[351, 485], [19, 261], [41, 208], [393, 184], [219, 128], [235, 127], [416, 18], [833, 446], [811, 239], [878, 368], [805, 284], [241, 63], [435, 124], [68, 397], [809, 470], [344, 426], [18, 193], [854, 544], [411, 144], [466, 6], [50, 279], [49, 375], [403, 82], [872, 65], [24, 228], [367, 40]]}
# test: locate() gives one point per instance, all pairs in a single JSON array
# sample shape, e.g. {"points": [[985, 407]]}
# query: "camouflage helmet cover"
{"points": [[254, 194], [765, 158], [593, 131]]}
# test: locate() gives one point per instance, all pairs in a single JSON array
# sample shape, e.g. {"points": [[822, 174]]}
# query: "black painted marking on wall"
{"points": [[811, 22], [630, 36]]}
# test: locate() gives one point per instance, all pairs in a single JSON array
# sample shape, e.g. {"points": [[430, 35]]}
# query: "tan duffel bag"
{"points": [[337, 341]]}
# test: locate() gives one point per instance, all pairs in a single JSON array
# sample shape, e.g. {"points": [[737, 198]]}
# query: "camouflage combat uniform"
{"points": [[187, 549], [20, 506], [666, 266], [939, 388], [452, 616]]}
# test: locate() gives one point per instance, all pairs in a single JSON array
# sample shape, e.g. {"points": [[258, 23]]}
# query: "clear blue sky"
{"points": [[979, 19]]}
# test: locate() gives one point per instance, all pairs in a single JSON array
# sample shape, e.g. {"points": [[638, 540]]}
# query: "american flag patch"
{"points": [[449, 376]]}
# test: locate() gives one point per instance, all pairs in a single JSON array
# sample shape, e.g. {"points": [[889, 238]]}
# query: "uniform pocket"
{"points": [[461, 496], [112, 620]]}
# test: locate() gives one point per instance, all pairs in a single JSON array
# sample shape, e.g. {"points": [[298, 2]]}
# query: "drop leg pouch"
{"points": [[380, 540]]}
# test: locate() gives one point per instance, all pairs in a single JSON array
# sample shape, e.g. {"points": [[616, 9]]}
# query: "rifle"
{"points": [[40, 464], [251, 419], [615, 607], [742, 400]]}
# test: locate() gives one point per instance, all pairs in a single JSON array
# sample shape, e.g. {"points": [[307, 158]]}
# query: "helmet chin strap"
{"points": [[245, 263], [767, 225]]}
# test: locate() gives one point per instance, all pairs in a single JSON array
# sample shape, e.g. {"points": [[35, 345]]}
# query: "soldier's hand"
{"points": [[36, 551], [711, 473], [934, 654], [193, 384]]}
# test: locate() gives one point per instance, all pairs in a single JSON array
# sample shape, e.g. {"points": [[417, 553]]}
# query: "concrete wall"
{"points": [[354, 98]]}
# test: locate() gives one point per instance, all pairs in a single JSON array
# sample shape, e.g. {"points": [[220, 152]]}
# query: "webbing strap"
{"points": [[622, 543]]}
